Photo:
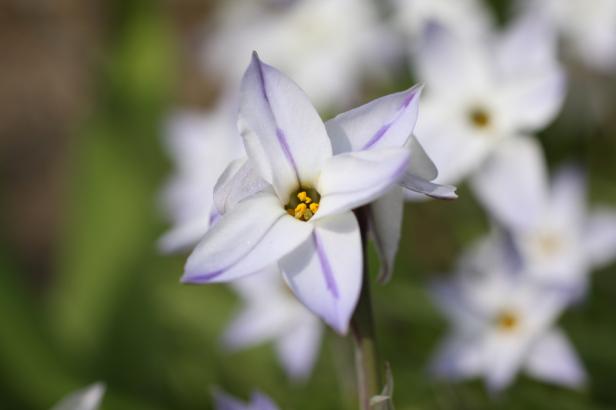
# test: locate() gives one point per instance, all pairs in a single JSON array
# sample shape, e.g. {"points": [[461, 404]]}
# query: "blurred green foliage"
{"points": [[115, 310]]}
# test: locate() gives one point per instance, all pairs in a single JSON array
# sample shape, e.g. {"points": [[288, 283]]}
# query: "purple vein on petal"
{"points": [[207, 277], [384, 128], [325, 266], [280, 136]]}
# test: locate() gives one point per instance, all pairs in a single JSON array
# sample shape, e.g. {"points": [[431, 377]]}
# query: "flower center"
{"points": [[479, 117], [507, 321], [303, 204], [549, 244]]}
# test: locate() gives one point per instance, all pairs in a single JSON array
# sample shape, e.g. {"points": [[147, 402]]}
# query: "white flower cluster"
{"points": [[272, 190]]}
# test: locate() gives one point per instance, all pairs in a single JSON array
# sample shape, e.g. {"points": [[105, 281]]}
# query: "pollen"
{"points": [[303, 204]]}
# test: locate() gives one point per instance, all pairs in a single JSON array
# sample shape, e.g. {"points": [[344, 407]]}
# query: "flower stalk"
{"points": [[362, 330]]}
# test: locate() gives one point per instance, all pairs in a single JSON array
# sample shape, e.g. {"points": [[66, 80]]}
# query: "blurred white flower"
{"points": [[466, 18], [324, 45], [300, 217], [272, 314], [201, 145], [558, 238], [258, 401], [483, 95], [588, 29], [502, 323], [86, 399]]}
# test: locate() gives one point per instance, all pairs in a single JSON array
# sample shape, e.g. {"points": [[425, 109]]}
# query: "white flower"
{"points": [[502, 323], [301, 215], [559, 239], [466, 18], [324, 45], [201, 145], [484, 95], [86, 399], [588, 29], [272, 313]]}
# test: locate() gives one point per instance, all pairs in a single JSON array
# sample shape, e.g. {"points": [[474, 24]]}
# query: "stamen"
{"points": [[507, 321], [479, 117], [303, 204], [300, 210]]}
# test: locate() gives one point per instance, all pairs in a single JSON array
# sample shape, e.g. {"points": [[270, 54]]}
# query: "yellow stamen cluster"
{"points": [[480, 118], [507, 321], [306, 207]]}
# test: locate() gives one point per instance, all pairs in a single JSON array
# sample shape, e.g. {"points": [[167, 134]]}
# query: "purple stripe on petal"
{"points": [[280, 136], [384, 128], [282, 139], [203, 278], [377, 136], [325, 266]]}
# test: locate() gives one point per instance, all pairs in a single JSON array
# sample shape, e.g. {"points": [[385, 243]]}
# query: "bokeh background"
{"points": [[85, 296]]}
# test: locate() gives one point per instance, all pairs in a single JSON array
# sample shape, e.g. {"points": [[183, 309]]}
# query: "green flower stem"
{"points": [[362, 330]]}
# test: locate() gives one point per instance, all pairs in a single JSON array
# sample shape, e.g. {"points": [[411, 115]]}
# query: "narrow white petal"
{"points": [[420, 163], [239, 181], [325, 272], [86, 399], [282, 130], [599, 238], [431, 189], [298, 348], [386, 122], [354, 179], [512, 184], [553, 359], [385, 219], [504, 356], [253, 235]]}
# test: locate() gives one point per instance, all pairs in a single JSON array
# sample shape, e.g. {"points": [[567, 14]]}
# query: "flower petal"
{"points": [[325, 272], [86, 399], [420, 163], [385, 220], [512, 184], [386, 122], [458, 357], [443, 59], [534, 101], [600, 237], [553, 359], [353, 179], [431, 189], [253, 235], [239, 181], [299, 347], [282, 131]]}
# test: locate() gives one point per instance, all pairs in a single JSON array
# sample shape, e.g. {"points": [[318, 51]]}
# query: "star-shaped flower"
{"points": [[485, 95], [502, 323], [301, 218]]}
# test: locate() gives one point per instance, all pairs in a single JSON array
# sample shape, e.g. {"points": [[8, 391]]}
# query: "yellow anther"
{"points": [[302, 196], [299, 210], [314, 207], [308, 200]]}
